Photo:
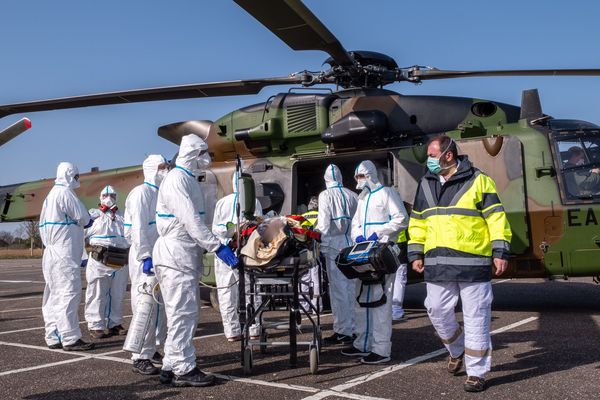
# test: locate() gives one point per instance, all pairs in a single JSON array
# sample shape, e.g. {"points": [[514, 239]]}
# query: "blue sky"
{"points": [[63, 48]]}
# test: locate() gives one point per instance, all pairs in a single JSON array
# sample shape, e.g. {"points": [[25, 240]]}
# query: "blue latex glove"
{"points": [[147, 269], [373, 237], [226, 255], [359, 239], [84, 263]]}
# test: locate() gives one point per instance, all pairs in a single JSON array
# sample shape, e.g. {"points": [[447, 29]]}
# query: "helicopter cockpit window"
{"points": [[579, 162]]}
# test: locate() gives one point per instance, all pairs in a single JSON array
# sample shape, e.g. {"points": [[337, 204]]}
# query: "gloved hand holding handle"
{"points": [[226, 255], [359, 239], [148, 267], [373, 237]]}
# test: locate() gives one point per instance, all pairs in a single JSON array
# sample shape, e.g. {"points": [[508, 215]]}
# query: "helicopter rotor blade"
{"points": [[210, 89], [420, 73], [293, 23]]}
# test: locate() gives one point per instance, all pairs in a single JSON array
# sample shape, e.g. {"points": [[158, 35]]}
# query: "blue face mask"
{"points": [[433, 165]]}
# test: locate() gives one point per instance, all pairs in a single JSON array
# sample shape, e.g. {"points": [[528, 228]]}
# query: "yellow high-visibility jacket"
{"points": [[311, 219], [458, 227]]}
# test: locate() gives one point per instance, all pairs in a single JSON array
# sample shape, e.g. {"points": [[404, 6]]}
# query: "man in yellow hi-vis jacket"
{"points": [[457, 229]]}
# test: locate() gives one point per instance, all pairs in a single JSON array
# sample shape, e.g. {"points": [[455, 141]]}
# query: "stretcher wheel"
{"points": [[247, 361], [314, 360], [263, 339]]}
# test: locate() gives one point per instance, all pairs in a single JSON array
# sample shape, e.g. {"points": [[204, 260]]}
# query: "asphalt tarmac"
{"points": [[545, 336]]}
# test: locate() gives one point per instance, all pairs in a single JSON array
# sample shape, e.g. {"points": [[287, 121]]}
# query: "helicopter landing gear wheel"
{"points": [[247, 361]]}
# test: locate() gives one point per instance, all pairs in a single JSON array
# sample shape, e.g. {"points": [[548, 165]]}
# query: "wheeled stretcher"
{"points": [[280, 286]]}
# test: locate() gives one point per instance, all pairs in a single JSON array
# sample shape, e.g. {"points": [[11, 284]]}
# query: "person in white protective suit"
{"points": [[177, 258], [337, 205], [105, 292], [62, 220], [141, 233], [380, 216], [224, 227]]}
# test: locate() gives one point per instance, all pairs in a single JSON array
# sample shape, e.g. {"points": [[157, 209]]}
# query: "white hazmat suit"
{"points": [[62, 219], [140, 231], [224, 226], [177, 255], [337, 205], [380, 211], [105, 292]]}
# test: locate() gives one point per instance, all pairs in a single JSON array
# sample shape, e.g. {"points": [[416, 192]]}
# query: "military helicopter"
{"points": [[287, 140]]}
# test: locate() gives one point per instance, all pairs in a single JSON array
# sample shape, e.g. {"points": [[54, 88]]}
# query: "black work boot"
{"points": [[157, 358], [79, 345], [55, 346], [195, 378], [144, 367], [117, 330], [98, 333], [166, 377]]}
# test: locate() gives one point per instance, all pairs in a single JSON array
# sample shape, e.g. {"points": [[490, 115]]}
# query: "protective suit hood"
{"points": [[152, 175], [369, 170], [65, 175], [333, 176], [189, 156]]}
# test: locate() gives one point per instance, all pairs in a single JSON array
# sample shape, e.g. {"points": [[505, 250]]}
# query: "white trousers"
{"points": [[374, 325], [228, 299], [60, 304], [399, 287], [475, 341], [342, 296], [180, 292], [157, 333], [104, 298]]}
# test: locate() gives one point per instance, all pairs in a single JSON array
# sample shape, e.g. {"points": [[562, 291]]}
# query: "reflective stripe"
{"points": [[376, 223], [165, 215], [415, 248], [500, 244], [105, 237], [151, 185], [57, 223], [492, 210], [478, 353], [185, 170], [428, 194], [342, 217], [464, 188], [489, 199], [416, 215], [129, 225], [454, 337], [450, 211], [444, 260]]}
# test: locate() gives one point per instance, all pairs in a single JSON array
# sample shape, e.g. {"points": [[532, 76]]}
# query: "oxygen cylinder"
{"points": [[140, 323]]}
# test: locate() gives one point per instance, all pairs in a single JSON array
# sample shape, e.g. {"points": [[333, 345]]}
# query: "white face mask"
{"points": [[202, 162], [361, 183], [108, 202], [161, 174], [75, 184]]}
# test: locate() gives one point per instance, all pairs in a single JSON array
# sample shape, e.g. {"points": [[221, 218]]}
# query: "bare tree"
{"points": [[30, 230], [6, 238]]}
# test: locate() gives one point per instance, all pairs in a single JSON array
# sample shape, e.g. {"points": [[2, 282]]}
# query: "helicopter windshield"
{"points": [[579, 159]]}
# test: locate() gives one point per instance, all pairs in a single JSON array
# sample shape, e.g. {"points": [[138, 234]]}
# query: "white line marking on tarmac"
{"points": [[80, 357], [22, 298], [388, 370], [5, 281], [43, 327]]}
